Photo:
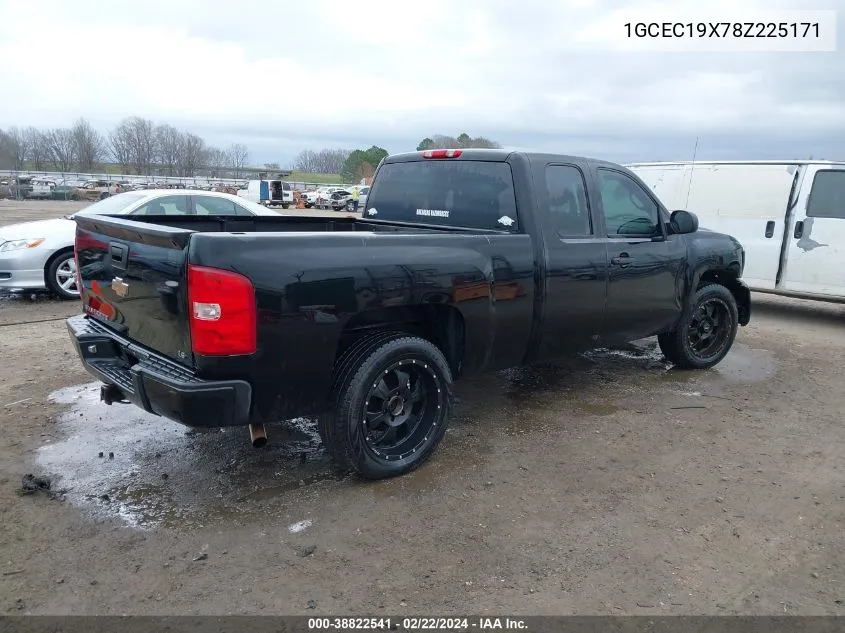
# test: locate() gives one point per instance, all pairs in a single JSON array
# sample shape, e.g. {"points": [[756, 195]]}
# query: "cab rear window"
{"points": [[458, 193]]}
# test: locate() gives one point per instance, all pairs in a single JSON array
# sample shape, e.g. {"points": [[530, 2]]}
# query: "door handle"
{"points": [[799, 229], [622, 259], [770, 228]]}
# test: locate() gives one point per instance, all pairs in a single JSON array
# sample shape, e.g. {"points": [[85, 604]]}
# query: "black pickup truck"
{"points": [[464, 261]]}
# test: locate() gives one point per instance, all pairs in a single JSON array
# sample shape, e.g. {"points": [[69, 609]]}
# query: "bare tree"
{"points": [[89, 145], [238, 155], [215, 161], [326, 161], [170, 144], [39, 152], [62, 150], [6, 151], [120, 146], [306, 160], [18, 145], [143, 144], [193, 155]]}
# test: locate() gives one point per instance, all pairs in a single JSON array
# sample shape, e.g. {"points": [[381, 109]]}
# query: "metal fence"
{"points": [[199, 182]]}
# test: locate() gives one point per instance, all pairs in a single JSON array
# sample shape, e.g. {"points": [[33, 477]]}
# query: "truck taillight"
{"points": [[441, 153], [221, 312]]}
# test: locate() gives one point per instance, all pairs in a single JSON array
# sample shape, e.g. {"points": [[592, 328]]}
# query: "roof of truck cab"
{"points": [[501, 155], [685, 163]]}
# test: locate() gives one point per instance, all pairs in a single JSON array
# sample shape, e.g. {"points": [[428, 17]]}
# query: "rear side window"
{"points": [[211, 205], [568, 210], [460, 193], [827, 197], [166, 205]]}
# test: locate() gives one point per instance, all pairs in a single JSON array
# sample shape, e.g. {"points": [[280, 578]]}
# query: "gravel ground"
{"points": [[606, 484]]}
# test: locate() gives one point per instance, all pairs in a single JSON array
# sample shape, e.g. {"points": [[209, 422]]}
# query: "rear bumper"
{"points": [[155, 383]]}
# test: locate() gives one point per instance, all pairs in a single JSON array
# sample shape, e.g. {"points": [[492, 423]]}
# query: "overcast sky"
{"points": [[551, 75]]}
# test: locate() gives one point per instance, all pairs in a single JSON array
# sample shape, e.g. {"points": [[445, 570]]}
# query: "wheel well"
{"points": [[729, 278], [53, 257], [442, 325]]}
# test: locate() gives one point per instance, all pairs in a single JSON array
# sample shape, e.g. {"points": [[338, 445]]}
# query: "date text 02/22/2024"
{"points": [[418, 624]]}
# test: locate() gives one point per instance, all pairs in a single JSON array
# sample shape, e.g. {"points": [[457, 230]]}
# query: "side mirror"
{"points": [[683, 222]]}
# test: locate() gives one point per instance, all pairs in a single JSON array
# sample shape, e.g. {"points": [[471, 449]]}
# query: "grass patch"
{"points": [[302, 176]]}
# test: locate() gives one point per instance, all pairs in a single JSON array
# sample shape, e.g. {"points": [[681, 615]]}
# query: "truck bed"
{"points": [[269, 223], [312, 284]]}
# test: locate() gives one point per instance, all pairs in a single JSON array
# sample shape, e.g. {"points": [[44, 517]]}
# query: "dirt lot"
{"points": [[607, 484]]}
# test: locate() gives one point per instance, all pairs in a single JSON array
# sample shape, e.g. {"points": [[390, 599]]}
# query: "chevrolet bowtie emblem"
{"points": [[120, 287]]}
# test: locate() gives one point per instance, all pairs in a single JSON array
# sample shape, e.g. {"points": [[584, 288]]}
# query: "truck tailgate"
{"points": [[133, 278]]}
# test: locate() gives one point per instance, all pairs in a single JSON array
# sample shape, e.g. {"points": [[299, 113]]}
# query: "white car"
{"points": [[39, 255], [41, 189], [319, 198]]}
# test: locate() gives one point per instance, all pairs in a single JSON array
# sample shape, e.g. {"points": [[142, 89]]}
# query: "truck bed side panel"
{"points": [[310, 287]]}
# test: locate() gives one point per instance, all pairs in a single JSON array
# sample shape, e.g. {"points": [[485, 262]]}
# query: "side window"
{"points": [[827, 197], [628, 210], [166, 205], [568, 210], [208, 205]]}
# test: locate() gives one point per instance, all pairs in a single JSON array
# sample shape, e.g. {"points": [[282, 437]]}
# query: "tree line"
{"points": [[140, 146], [351, 165], [461, 141], [136, 145]]}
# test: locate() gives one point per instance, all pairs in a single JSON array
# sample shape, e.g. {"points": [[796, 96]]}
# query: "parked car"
{"points": [[41, 189], [789, 215], [95, 190], [365, 323], [363, 190], [38, 255], [20, 186], [339, 199], [319, 198], [64, 189]]}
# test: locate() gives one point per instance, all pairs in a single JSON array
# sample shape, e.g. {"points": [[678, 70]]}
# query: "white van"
{"points": [[788, 215], [268, 193]]}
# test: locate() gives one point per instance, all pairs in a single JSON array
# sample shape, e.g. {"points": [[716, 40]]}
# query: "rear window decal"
{"points": [[372, 211], [506, 221], [433, 213]]}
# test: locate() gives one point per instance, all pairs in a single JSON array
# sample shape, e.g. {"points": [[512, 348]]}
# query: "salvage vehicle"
{"points": [[41, 189], [789, 215], [465, 261], [339, 199], [95, 190], [39, 255], [64, 189]]}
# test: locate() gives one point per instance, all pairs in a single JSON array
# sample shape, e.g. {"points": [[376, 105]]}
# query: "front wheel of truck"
{"points": [[391, 405], [706, 332]]}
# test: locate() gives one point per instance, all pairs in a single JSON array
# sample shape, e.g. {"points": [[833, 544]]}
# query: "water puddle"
{"points": [[746, 364], [120, 462]]}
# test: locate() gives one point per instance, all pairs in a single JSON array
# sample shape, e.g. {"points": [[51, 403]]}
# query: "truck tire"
{"points": [[706, 332], [392, 397], [286, 206]]}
